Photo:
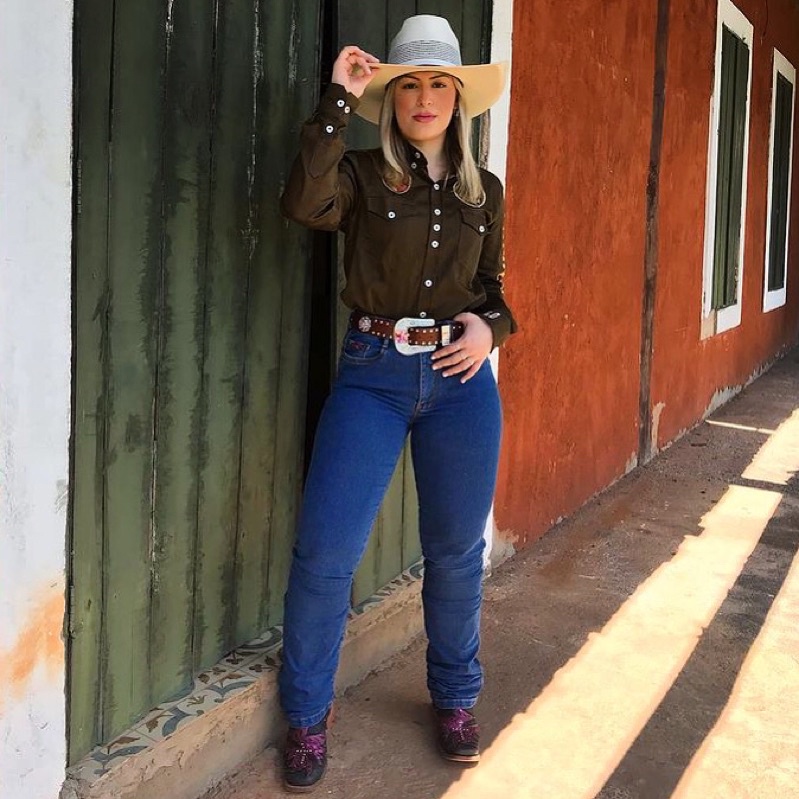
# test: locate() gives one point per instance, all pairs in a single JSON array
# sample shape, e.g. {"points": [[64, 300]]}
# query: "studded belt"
{"points": [[410, 335]]}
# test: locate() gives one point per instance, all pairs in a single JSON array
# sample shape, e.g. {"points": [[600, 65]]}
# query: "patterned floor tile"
{"points": [[232, 683], [166, 722], [269, 641], [263, 663], [103, 758], [233, 674], [210, 676]]}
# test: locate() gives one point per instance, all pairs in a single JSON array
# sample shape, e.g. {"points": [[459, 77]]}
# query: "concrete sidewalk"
{"points": [[646, 648]]}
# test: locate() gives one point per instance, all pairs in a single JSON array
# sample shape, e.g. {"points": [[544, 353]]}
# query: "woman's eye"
{"points": [[409, 85]]}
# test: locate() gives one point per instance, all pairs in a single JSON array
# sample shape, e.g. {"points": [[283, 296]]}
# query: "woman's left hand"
{"points": [[466, 355]]}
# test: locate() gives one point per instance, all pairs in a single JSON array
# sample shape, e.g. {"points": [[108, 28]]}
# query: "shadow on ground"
{"points": [[543, 610]]}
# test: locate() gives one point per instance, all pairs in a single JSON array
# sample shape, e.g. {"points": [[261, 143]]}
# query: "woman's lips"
{"points": [[424, 117]]}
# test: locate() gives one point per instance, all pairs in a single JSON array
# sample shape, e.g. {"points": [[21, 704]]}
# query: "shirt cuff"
{"points": [[336, 107], [502, 325]]}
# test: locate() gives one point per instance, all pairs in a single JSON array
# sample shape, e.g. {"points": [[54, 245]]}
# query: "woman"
{"points": [[423, 265]]}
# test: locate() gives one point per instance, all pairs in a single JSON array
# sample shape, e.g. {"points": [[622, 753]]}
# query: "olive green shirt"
{"points": [[422, 253]]}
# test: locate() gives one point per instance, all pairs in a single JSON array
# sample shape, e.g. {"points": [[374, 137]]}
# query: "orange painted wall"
{"points": [[580, 130], [580, 122], [688, 371]]}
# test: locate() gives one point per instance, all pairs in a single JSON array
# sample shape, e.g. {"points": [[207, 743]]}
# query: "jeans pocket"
{"points": [[362, 348]]}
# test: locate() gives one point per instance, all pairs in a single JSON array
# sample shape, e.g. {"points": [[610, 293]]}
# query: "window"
{"points": [[779, 183], [725, 210]]}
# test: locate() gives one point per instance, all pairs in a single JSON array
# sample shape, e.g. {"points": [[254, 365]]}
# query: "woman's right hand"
{"points": [[353, 69]]}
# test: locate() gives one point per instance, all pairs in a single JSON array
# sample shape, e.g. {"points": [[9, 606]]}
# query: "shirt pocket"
{"points": [[392, 223], [473, 230]]}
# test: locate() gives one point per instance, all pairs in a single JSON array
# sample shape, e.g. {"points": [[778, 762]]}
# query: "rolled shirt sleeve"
{"points": [[320, 190]]}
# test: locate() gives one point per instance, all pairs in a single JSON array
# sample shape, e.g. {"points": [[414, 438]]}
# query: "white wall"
{"points": [[35, 236]]}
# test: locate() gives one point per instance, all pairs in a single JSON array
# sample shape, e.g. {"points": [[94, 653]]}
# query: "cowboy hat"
{"points": [[426, 43]]}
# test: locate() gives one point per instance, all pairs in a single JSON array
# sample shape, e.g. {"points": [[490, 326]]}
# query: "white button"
{"points": [[340, 104], [482, 228], [413, 165], [434, 244], [346, 109], [391, 214], [329, 128], [436, 227], [428, 283], [437, 211], [436, 186], [418, 155], [422, 314]]}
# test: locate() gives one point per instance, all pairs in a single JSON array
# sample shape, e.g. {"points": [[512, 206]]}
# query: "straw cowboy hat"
{"points": [[426, 43]]}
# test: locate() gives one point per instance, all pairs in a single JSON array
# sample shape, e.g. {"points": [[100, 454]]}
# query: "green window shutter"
{"points": [[730, 168], [781, 167]]}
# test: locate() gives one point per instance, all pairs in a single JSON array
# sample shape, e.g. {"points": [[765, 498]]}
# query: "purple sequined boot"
{"points": [[458, 735], [305, 757]]}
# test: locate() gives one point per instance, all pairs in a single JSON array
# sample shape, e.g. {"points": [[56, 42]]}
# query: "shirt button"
{"points": [[436, 227], [428, 283], [413, 165], [346, 109], [340, 104], [437, 211], [391, 214], [422, 314], [482, 228], [418, 155], [436, 186], [329, 129], [434, 244]]}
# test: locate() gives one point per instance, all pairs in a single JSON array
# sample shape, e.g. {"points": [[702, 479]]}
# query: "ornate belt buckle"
{"points": [[402, 335]]}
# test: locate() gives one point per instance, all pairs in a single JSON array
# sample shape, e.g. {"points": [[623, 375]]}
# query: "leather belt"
{"points": [[410, 335]]}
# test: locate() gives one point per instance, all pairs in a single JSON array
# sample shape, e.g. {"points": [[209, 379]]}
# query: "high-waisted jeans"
{"points": [[380, 396]]}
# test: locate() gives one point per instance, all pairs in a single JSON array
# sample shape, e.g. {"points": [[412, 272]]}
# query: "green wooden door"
{"points": [[394, 543], [190, 341]]}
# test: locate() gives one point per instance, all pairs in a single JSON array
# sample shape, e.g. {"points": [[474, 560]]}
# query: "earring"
{"points": [[457, 112]]}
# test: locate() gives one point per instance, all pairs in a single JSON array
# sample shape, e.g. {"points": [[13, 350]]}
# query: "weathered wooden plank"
{"points": [[475, 31], [450, 9], [264, 324], [231, 239], [134, 265], [397, 11], [186, 162], [363, 24], [276, 338], [382, 560], [300, 94], [372, 27], [411, 544], [93, 25]]}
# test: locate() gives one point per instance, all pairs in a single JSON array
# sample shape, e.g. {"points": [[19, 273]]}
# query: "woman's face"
{"points": [[423, 105]]}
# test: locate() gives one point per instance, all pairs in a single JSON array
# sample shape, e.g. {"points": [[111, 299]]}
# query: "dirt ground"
{"points": [[646, 648]]}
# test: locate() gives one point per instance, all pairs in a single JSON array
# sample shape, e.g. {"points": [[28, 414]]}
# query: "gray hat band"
{"points": [[424, 51]]}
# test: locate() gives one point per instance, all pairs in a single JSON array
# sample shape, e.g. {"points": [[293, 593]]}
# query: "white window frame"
{"points": [[776, 299], [717, 321]]}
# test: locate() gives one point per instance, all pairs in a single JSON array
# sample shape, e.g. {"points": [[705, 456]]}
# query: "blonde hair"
{"points": [[396, 169]]}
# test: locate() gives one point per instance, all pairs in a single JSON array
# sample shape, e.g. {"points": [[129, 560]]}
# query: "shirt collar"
{"points": [[418, 158]]}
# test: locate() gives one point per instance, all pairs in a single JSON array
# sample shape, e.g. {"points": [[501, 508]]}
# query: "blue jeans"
{"points": [[380, 396]]}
